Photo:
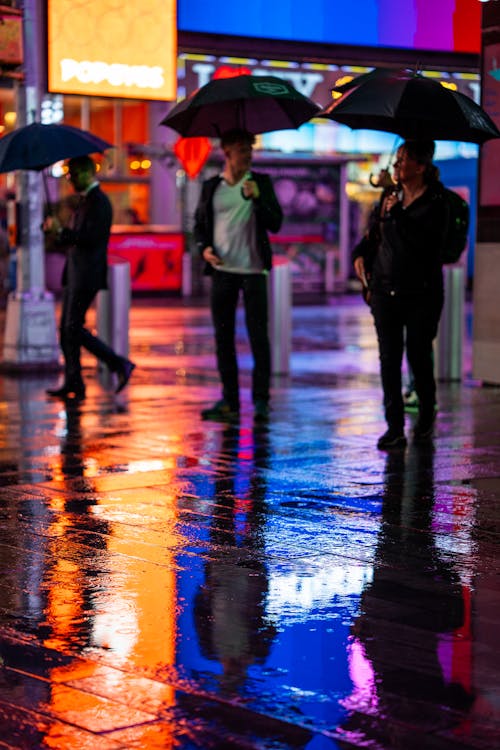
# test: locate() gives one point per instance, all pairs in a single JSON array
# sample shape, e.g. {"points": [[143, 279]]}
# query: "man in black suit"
{"points": [[235, 212], [84, 274]]}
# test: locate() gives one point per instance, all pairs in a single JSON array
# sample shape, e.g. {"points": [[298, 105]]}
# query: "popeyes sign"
{"points": [[105, 48]]}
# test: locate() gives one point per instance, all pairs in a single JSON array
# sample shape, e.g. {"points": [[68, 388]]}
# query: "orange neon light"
{"points": [[105, 48]]}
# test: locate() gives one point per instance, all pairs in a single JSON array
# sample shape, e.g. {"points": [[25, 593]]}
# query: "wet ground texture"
{"points": [[172, 583]]}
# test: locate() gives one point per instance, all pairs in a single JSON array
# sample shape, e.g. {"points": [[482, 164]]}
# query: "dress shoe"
{"points": [[67, 393], [126, 369]]}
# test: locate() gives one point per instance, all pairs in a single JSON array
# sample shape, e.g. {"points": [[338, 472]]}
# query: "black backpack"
{"points": [[457, 226]]}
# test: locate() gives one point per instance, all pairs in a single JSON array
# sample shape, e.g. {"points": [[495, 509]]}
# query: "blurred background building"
{"points": [[116, 71]]}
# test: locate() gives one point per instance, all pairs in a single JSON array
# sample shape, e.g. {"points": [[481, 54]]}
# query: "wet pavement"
{"points": [[172, 583]]}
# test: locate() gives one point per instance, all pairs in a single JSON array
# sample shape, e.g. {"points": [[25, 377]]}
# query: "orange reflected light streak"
{"points": [[134, 618]]}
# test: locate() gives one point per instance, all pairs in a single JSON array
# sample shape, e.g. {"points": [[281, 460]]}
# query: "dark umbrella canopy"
{"points": [[37, 146], [412, 106], [258, 104]]}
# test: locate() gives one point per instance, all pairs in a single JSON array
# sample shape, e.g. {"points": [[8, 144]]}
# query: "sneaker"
{"points": [[220, 410], [410, 400], [261, 412], [391, 439]]}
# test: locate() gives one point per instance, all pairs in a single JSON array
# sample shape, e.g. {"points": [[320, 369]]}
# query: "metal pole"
{"points": [[344, 260], [451, 326], [30, 335], [280, 316], [113, 306]]}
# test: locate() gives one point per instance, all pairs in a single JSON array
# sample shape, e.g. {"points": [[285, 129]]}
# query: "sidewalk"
{"points": [[171, 583]]}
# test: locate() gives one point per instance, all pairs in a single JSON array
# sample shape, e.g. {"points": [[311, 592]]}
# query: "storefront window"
{"points": [[123, 170]]}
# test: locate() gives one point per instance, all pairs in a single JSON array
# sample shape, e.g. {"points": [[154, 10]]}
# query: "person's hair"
{"points": [[423, 153], [236, 135], [82, 162]]}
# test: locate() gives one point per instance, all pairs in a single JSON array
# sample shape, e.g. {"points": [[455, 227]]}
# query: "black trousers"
{"points": [[410, 320], [224, 300], [73, 335]]}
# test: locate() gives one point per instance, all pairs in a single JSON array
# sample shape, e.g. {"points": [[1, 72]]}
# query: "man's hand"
{"points": [[211, 257], [52, 225], [250, 189]]}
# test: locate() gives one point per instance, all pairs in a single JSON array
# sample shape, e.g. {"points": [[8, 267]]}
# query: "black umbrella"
{"points": [[37, 146], [411, 105], [257, 104]]}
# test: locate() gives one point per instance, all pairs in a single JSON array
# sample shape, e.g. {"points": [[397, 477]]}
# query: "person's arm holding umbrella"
{"points": [[89, 233], [419, 234], [260, 189], [52, 226]]}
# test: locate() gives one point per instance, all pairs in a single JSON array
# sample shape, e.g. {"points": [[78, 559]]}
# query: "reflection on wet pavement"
{"points": [[172, 583]]}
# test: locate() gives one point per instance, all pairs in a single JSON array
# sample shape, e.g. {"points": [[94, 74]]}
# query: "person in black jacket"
{"points": [[235, 211], [84, 274], [400, 262]]}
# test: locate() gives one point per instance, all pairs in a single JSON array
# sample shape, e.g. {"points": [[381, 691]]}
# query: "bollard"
{"points": [[280, 318], [451, 326], [331, 272], [187, 274], [113, 305]]}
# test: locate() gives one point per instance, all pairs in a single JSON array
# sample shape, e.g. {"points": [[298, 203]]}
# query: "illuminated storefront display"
{"points": [[155, 259], [314, 80], [103, 48]]}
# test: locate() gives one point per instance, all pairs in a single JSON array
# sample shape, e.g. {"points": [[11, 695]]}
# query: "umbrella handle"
{"points": [[48, 210], [384, 179]]}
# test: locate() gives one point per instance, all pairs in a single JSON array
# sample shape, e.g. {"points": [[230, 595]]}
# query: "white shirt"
{"points": [[234, 229]]}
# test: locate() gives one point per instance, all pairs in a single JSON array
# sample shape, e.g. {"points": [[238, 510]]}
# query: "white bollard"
{"points": [[451, 327], [113, 306], [280, 315]]}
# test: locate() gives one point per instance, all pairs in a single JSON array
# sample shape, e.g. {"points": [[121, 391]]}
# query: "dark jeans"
{"points": [[413, 319], [224, 300], [73, 335]]}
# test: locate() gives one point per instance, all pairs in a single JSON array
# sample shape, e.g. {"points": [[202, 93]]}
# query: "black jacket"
{"points": [[87, 242], [268, 215], [403, 250]]}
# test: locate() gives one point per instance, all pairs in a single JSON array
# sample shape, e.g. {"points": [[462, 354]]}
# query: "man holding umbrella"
{"points": [[84, 274], [235, 212]]}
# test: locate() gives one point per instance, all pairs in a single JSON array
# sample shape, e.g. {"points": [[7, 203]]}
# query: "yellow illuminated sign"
{"points": [[116, 49]]}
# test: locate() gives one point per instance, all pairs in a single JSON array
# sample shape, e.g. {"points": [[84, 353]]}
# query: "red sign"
{"points": [[155, 259], [226, 71], [192, 154]]}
